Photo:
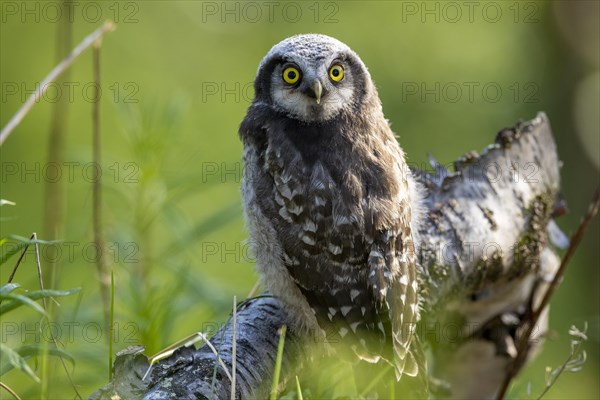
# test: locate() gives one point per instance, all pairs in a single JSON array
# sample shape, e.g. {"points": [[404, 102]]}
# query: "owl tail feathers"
{"points": [[412, 369], [411, 362], [408, 366], [412, 380]]}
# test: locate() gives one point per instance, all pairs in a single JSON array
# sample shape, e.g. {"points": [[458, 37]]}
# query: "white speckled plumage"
{"points": [[330, 203]]}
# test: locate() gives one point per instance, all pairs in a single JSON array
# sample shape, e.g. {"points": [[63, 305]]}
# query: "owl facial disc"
{"points": [[312, 78]]}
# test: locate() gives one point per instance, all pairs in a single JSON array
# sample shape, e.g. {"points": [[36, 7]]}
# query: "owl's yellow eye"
{"points": [[336, 73], [291, 75]]}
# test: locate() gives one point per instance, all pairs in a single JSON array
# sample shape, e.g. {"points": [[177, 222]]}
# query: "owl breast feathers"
{"points": [[329, 199]]}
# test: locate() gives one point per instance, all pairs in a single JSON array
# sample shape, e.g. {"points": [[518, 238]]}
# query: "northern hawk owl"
{"points": [[330, 202]]}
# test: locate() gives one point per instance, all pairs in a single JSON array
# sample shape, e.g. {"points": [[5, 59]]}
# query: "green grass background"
{"points": [[180, 143]]}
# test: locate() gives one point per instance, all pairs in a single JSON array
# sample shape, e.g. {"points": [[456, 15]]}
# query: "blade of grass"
{"points": [[112, 319], [298, 389], [375, 380], [277, 371]]}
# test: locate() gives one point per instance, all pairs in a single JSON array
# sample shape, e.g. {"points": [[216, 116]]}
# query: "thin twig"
{"points": [[54, 196], [14, 271], [54, 201], [9, 390], [16, 267], [108, 26], [39, 268], [535, 315], [101, 267]]}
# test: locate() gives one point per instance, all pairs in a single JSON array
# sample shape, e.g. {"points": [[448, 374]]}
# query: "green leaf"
{"points": [[31, 241], [16, 361], [7, 288], [22, 242], [11, 251], [16, 301], [29, 299], [28, 351], [38, 294]]}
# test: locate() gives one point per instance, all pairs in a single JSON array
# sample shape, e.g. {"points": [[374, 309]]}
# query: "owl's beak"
{"points": [[318, 90], [314, 89]]}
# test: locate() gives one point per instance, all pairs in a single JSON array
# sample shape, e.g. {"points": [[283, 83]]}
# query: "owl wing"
{"points": [[392, 277]]}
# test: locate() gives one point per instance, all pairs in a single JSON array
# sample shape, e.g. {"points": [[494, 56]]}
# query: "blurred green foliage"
{"points": [[176, 83]]}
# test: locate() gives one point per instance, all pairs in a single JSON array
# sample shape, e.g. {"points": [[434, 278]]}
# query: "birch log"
{"points": [[485, 256]]}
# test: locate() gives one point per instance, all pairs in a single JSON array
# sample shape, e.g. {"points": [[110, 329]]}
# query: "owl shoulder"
{"points": [[256, 120]]}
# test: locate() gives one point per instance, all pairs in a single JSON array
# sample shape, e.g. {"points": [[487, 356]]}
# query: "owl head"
{"points": [[313, 78]]}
